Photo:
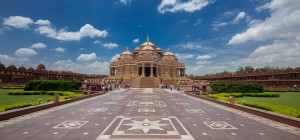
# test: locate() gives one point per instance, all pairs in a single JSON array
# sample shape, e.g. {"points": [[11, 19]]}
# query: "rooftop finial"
{"points": [[168, 50], [148, 38], [126, 48]]}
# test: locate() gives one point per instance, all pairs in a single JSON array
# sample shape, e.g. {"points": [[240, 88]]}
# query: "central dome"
{"points": [[148, 45]]}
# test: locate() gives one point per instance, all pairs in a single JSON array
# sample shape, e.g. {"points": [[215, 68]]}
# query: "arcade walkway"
{"points": [[143, 113]]}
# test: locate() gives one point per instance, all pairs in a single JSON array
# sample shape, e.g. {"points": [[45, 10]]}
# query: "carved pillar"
{"points": [[151, 70], [110, 72], [143, 69], [156, 70], [137, 69]]}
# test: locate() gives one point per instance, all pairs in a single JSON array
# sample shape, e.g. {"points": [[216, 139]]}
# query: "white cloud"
{"points": [[59, 49], [38, 46], [43, 22], [239, 17], [115, 57], [283, 23], [18, 22], [184, 56], [86, 31], [177, 5], [216, 25], [82, 49], [198, 22], [97, 42], [189, 45], [125, 2], [110, 45], [225, 19], [136, 40], [7, 60], [277, 54], [25, 52], [201, 69], [95, 67], [87, 57], [204, 57], [203, 62]]}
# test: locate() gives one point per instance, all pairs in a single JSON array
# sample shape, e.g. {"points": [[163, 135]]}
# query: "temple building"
{"points": [[147, 61]]}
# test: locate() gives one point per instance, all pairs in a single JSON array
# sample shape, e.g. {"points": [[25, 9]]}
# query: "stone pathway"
{"points": [[132, 114]]}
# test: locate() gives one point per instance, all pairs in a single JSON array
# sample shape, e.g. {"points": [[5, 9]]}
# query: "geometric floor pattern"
{"points": [[71, 124], [219, 125], [145, 127]]}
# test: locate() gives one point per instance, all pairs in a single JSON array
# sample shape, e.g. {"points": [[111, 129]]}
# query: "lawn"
{"points": [[288, 99], [6, 99]]}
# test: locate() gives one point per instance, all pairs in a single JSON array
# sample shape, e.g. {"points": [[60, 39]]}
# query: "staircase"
{"points": [[157, 81], [148, 82], [136, 82]]}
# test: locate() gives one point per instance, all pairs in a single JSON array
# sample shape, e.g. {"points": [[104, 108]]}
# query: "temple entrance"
{"points": [[147, 71], [140, 70], [154, 72]]}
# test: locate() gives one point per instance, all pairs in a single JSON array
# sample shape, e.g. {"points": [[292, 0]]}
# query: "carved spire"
{"points": [[148, 40]]}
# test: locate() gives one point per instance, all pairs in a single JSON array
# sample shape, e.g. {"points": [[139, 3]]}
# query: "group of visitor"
{"points": [[171, 87], [165, 86]]}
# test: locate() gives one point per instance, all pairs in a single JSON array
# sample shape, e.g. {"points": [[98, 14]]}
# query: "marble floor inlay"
{"points": [[219, 125], [148, 127], [147, 103], [71, 124], [146, 109]]}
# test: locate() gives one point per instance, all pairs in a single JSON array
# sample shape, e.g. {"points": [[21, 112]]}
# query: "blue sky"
{"points": [[208, 35]]}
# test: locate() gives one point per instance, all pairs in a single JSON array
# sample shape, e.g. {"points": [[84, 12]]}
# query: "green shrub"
{"points": [[218, 97], [236, 95], [262, 106], [16, 105], [282, 90], [236, 87], [52, 85], [11, 87], [265, 94], [274, 108], [61, 93]]}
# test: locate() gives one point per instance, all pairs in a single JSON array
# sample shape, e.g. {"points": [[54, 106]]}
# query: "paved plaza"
{"points": [[144, 114]]}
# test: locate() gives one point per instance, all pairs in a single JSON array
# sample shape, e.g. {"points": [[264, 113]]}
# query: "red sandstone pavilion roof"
{"points": [[41, 67]]}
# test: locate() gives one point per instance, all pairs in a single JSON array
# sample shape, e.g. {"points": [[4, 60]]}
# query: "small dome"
{"points": [[30, 69], [126, 52], [289, 69], [12, 67], [159, 49], [2, 67], [168, 52], [137, 48], [22, 68], [40, 67]]}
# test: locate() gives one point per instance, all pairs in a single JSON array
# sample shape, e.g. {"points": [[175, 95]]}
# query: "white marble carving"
{"points": [[219, 125], [70, 124], [158, 127], [146, 109]]}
